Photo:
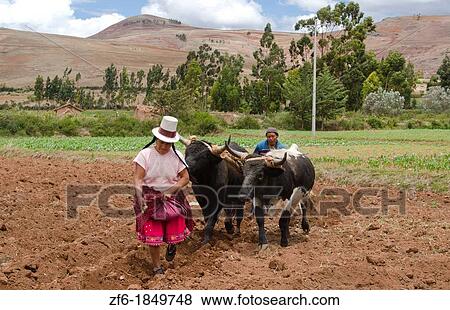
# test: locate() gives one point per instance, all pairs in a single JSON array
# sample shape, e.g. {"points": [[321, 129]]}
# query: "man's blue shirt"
{"points": [[263, 147]]}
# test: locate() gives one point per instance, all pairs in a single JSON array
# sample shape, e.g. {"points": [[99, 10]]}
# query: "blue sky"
{"points": [[273, 10], [87, 17], [86, 8]]}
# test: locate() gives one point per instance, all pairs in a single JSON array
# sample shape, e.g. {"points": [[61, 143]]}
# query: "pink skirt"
{"points": [[156, 233]]}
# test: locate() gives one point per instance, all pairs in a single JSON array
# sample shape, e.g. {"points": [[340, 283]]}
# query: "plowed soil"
{"points": [[41, 248]]}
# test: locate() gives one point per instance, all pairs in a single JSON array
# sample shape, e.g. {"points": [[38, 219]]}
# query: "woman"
{"points": [[162, 211]]}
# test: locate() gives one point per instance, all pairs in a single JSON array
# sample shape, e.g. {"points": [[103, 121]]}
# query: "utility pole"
{"points": [[313, 125]]}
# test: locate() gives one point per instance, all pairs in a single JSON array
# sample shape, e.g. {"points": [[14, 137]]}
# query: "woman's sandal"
{"points": [[170, 252], [158, 271]]}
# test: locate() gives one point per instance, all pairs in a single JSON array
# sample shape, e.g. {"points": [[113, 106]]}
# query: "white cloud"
{"points": [[383, 8], [311, 5], [379, 9], [90, 26], [287, 23], [223, 14], [52, 16]]}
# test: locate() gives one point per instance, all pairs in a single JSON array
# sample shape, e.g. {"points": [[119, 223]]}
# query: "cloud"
{"points": [[311, 6], [287, 23], [379, 9], [224, 14], [52, 16]]}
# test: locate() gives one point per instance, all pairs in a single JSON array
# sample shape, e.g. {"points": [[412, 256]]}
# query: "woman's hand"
{"points": [[168, 196], [140, 201], [182, 182]]}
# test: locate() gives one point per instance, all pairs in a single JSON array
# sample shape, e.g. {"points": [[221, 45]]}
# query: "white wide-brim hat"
{"points": [[167, 130]]}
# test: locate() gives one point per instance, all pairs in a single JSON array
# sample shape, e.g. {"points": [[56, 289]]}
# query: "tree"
{"points": [[125, 94], [210, 62], [139, 80], [171, 83], [343, 51], [344, 22], [398, 75], [269, 68], [66, 90], [371, 84], [298, 92], [47, 89], [39, 88], [80, 98], [331, 96], [55, 85], [253, 94], [111, 84], [328, 21], [181, 36], [360, 65], [133, 87], [302, 48], [437, 100], [193, 82], [60, 89], [444, 72], [77, 79], [155, 76], [383, 102], [226, 90], [182, 68], [177, 102], [434, 81]]}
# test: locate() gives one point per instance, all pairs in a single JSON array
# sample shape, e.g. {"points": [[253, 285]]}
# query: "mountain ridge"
{"points": [[141, 41]]}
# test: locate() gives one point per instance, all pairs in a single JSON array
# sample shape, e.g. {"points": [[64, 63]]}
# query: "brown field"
{"points": [[14, 97], [138, 45], [40, 248]]}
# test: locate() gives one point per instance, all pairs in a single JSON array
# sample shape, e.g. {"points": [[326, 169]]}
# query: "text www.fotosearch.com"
{"points": [[252, 300]]}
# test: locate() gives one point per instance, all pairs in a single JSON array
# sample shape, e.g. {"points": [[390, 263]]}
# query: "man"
{"points": [[271, 143]]}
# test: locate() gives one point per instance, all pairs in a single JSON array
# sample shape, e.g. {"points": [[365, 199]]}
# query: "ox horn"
{"points": [[241, 155], [207, 145], [217, 150], [276, 163], [186, 142]]}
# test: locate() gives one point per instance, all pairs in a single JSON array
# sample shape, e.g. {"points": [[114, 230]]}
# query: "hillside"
{"points": [[141, 41], [424, 42]]}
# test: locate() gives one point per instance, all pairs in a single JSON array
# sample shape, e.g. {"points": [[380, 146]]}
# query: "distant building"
{"points": [[143, 112], [67, 109], [420, 89], [228, 117]]}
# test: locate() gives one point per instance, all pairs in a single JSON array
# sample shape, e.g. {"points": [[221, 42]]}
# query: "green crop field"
{"points": [[416, 158]]}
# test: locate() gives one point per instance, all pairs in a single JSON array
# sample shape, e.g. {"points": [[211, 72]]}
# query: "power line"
{"points": [[387, 48], [401, 40], [378, 53], [65, 49]]}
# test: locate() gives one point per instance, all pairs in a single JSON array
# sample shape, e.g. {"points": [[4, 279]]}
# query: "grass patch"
{"points": [[417, 159], [435, 181], [395, 135]]}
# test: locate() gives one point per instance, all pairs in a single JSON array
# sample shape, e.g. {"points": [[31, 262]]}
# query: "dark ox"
{"points": [[215, 182], [280, 174]]}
